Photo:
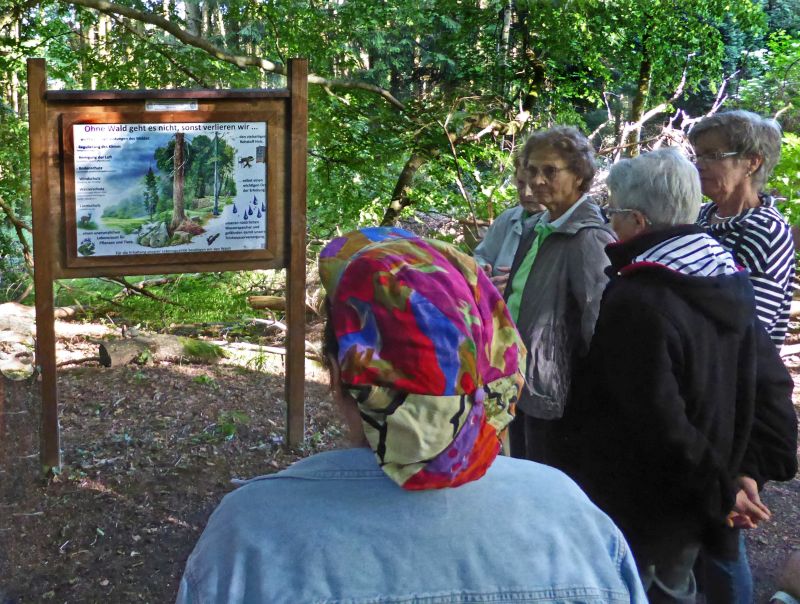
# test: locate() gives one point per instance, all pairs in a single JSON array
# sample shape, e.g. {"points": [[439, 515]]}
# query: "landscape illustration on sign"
{"points": [[162, 188]]}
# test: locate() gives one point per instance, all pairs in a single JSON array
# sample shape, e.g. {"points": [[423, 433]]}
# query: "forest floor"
{"points": [[148, 453]]}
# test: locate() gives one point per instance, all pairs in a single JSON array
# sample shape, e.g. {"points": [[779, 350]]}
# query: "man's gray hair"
{"points": [[663, 185], [748, 134]]}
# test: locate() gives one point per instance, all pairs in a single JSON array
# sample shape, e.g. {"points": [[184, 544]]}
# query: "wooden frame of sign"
{"points": [[87, 155]]}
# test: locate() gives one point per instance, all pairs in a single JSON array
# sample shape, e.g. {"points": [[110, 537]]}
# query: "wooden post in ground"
{"points": [[296, 266], [43, 254]]}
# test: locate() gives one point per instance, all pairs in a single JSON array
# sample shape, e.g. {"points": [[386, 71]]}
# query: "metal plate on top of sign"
{"points": [[165, 105], [164, 188]]}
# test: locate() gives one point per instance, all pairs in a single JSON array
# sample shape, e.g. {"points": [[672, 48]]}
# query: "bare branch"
{"points": [[27, 292], [78, 361], [781, 111], [140, 290], [460, 176], [356, 85], [786, 76], [648, 115], [608, 150], [597, 130], [12, 217]]}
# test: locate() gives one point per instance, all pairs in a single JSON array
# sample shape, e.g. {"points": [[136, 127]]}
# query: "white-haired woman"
{"points": [[736, 152], [681, 383]]}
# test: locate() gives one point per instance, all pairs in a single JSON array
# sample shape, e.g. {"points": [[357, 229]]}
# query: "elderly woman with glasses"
{"points": [[736, 152], [495, 253], [556, 280], [683, 401], [426, 369]]}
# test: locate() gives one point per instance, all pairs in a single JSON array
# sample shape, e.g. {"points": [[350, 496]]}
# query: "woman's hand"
{"points": [[501, 280], [748, 511]]}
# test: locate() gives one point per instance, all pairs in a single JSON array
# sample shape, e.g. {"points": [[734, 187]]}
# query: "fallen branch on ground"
{"points": [[78, 361]]}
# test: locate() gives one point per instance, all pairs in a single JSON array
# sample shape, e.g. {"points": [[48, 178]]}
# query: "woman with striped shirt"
{"points": [[735, 153]]}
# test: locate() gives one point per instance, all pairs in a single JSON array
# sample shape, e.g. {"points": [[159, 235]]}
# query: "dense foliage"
{"points": [[415, 104]]}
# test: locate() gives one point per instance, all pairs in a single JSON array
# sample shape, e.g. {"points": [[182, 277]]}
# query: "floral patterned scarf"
{"points": [[427, 349]]}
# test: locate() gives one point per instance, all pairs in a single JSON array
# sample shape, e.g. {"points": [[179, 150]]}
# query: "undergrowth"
{"points": [[192, 298]]}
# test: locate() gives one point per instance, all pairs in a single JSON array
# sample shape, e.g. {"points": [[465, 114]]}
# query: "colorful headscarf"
{"points": [[427, 349]]}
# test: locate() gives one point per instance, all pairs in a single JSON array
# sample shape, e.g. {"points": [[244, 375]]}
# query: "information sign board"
{"points": [[155, 188]]}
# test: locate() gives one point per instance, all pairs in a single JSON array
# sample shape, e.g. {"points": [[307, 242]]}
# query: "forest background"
{"points": [[417, 106]]}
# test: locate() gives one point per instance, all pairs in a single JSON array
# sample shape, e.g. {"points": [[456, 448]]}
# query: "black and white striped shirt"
{"points": [[761, 241], [695, 255]]}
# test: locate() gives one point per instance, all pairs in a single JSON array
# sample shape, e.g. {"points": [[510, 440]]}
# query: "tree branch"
{"points": [[400, 199], [20, 227], [241, 61], [460, 175], [160, 51], [12, 217], [782, 110], [140, 290], [635, 127]]}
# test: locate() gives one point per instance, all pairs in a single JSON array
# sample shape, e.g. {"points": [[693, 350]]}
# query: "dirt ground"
{"points": [[149, 451]]}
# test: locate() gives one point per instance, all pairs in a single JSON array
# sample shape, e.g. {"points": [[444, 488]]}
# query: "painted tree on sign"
{"points": [[150, 192], [178, 213]]}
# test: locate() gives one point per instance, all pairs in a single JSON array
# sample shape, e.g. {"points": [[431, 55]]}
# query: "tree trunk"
{"points": [[158, 347], [504, 44], [400, 197], [638, 104], [270, 302], [115, 353], [533, 70], [220, 18], [395, 82], [14, 91], [92, 37], [178, 214], [193, 17]]}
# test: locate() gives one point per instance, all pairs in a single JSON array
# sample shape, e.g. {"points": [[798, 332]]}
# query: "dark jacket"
{"points": [[682, 392], [559, 305]]}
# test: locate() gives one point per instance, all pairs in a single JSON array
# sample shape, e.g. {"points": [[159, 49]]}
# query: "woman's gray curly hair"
{"points": [[568, 142], [748, 134]]}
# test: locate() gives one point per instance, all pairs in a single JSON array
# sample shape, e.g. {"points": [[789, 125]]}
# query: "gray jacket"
{"points": [[560, 304], [501, 241]]}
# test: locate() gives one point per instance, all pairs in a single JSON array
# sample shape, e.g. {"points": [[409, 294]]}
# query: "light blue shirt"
{"points": [[501, 241], [499, 246], [334, 528]]}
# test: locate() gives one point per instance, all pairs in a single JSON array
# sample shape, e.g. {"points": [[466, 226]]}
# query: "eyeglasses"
{"points": [[713, 156], [547, 172], [619, 211]]}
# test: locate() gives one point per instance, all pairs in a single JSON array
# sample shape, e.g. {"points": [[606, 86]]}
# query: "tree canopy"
{"points": [[415, 104]]}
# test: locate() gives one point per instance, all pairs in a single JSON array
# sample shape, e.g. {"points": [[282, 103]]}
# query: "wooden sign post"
{"points": [[108, 190]]}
